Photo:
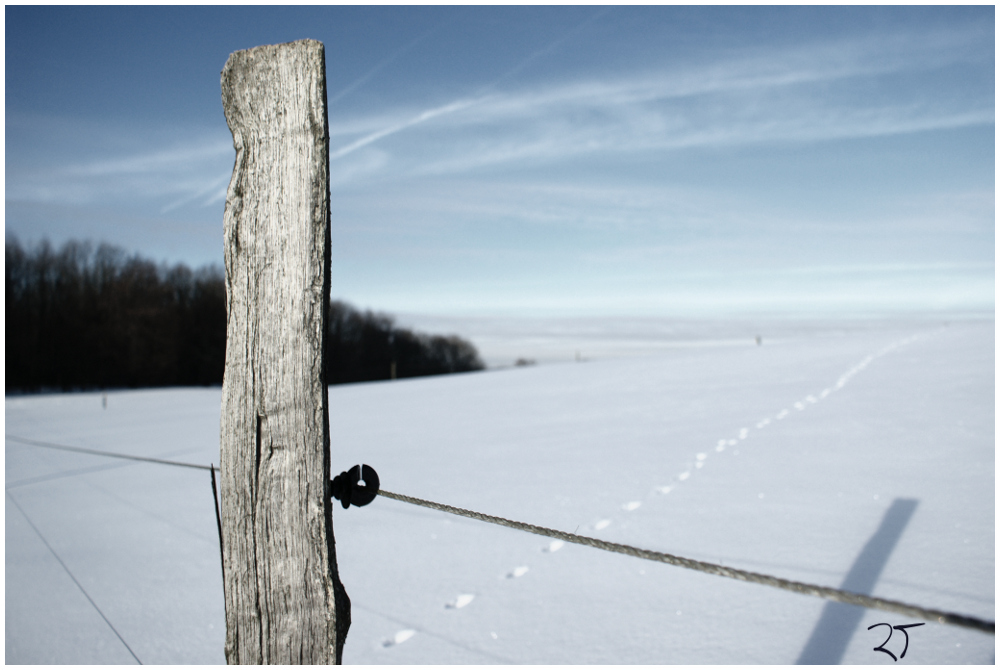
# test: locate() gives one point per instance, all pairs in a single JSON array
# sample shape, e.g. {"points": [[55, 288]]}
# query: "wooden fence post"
{"points": [[284, 599]]}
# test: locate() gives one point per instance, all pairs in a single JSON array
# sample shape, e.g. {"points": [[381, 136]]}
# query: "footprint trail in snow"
{"points": [[700, 460], [799, 405], [461, 601], [400, 637]]}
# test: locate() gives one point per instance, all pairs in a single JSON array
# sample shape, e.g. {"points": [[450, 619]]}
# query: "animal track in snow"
{"points": [[554, 546], [461, 601], [701, 457], [798, 405], [400, 637], [841, 382]]}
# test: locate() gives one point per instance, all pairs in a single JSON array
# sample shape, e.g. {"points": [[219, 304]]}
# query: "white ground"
{"points": [[782, 458]]}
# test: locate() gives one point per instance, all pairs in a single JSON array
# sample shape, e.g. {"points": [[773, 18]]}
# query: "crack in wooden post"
{"points": [[284, 599]]}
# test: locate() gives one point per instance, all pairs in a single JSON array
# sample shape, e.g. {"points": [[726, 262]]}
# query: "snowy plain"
{"points": [[856, 454]]}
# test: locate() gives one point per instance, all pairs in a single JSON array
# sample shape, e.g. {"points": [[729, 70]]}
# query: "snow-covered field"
{"points": [[858, 455]]}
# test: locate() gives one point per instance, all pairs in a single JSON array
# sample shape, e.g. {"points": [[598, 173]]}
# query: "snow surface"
{"points": [[860, 454]]}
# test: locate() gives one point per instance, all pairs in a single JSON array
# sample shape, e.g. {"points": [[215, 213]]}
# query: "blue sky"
{"points": [[545, 160]]}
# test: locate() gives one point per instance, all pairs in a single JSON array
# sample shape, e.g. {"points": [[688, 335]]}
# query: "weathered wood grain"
{"points": [[284, 599]]}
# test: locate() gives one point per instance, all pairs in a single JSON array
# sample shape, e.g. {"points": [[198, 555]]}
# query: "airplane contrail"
{"points": [[458, 104], [388, 59], [197, 194], [420, 118], [546, 50]]}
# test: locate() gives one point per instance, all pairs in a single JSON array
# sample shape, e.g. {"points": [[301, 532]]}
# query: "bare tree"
{"points": [[284, 599]]}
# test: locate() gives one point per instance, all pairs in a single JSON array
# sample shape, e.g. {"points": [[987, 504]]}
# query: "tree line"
{"points": [[93, 317]]}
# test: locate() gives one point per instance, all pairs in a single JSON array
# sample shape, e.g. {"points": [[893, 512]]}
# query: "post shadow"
{"points": [[836, 626]]}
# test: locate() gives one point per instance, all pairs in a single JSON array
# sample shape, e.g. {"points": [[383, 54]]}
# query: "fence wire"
{"points": [[838, 595], [109, 454], [715, 569]]}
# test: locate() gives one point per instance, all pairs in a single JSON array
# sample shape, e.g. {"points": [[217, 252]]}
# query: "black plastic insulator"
{"points": [[346, 486]]}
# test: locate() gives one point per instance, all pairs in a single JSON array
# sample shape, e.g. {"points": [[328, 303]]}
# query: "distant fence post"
{"points": [[284, 599]]}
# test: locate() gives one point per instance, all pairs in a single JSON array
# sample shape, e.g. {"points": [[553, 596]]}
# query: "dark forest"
{"points": [[93, 317]]}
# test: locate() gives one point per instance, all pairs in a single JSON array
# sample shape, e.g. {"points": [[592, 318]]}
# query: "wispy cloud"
{"points": [[657, 228], [182, 174], [172, 159], [456, 162], [803, 94]]}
